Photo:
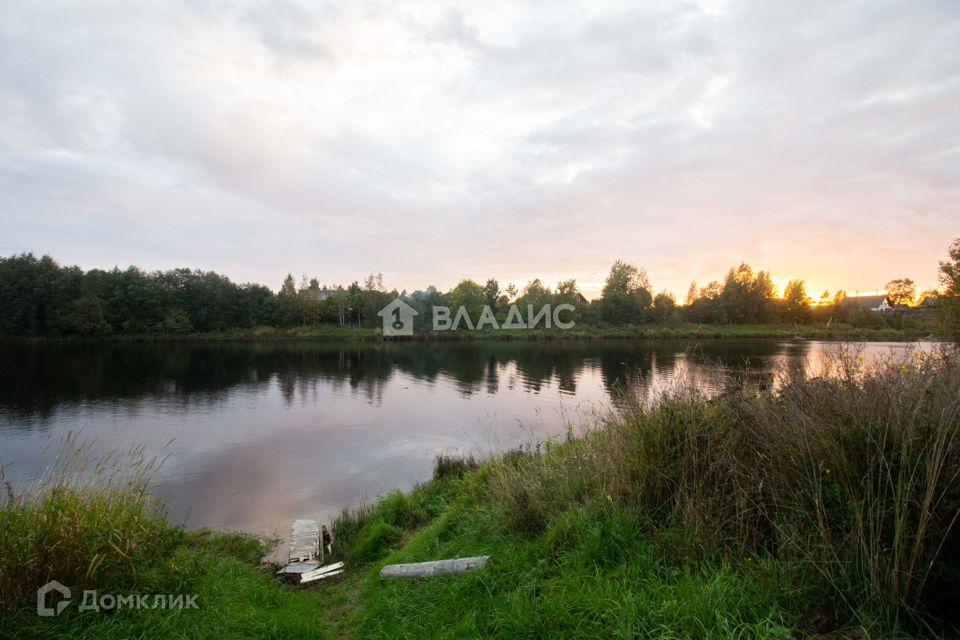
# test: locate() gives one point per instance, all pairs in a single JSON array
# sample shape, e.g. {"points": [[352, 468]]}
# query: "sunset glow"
{"points": [[440, 141]]}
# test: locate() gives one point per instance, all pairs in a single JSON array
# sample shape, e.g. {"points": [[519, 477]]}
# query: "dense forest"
{"points": [[40, 297]]}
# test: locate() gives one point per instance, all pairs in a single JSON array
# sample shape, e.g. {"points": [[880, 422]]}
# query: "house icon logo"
{"points": [[397, 318], [42, 608]]}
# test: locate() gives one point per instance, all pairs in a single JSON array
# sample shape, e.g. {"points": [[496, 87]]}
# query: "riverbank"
{"points": [[914, 329], [825, 511]]}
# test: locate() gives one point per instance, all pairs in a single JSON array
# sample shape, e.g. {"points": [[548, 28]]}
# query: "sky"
{"points": [[434, 141]]}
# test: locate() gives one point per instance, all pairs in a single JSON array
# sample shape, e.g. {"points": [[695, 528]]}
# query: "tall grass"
{"points": [[852, 475], [92, 523], [869, 493], [89, 522]]}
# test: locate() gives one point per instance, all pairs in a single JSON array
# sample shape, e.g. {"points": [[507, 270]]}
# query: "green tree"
{"points": [[747, 295], [256, 305], [41, 297], [353, 302], [288, 303], [289, 288], [177, 321], [626, 296], [86, 317], [901, 291], [36, 295], [18, 302], [536, 294], [469, 295], [567, 292], [928, 294], [691, 294], [707, 305], [423, 302], [796, 303], [371, 299], [664, 307], [373, 282], [491, 294], [339, 305], [310, 300], [948, 303]]}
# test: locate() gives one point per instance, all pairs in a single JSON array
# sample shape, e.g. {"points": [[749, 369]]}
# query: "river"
{"points": [[257, 434]]}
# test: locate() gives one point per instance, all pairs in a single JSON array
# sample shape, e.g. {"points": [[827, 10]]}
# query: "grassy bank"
{"points": [[912, 329], [318, 332], [909, 332], [828, 509]]}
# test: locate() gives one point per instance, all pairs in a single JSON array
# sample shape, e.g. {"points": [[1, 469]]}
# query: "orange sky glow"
{"points": [[435, 141]]}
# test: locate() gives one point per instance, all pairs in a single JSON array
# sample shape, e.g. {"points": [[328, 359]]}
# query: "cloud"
{"points": [[433, 141]]}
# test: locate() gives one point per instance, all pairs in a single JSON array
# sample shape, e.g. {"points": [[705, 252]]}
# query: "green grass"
{"points": [[323, 332], [236, 599], [588, 575], [912, 330], [826, 509]]}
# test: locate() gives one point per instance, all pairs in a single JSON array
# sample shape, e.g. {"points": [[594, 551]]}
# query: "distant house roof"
{"points": [[581, 299], [319, 294], [867, 302]]}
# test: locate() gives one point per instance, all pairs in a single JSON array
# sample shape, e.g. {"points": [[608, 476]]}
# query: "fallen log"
{"points": [[433, 567]]}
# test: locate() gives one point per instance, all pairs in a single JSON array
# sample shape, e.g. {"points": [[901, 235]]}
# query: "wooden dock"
{"points": [[305, 541], [305, 561]]}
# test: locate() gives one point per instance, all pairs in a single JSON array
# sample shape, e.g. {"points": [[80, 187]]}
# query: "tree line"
{"points": [[40, 297]]}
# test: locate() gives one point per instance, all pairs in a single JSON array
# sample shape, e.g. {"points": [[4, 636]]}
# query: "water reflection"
{"points": [[263, 433], [36, 380]]}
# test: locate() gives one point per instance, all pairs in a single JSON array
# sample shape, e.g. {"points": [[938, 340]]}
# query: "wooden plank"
{"points": [[322, 572], [328, 567], [305, 541], [322, 576], [434, 567], [300, 567], [307, 571]]}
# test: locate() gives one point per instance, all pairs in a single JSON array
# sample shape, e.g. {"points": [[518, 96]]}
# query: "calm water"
{"points": [[260, 434]]}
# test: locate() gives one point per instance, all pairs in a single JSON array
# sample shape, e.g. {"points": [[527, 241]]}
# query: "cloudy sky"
{"points": [[433, 141]]}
